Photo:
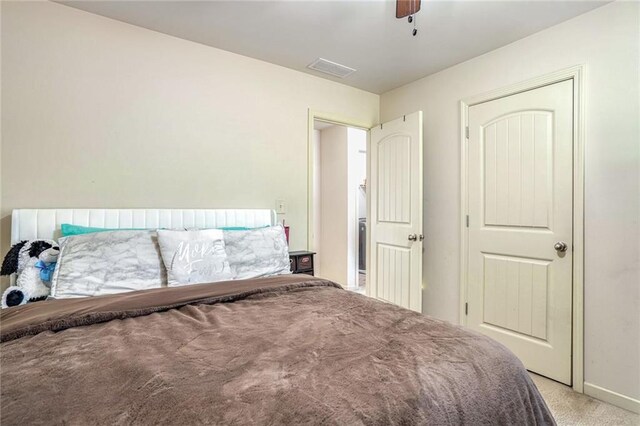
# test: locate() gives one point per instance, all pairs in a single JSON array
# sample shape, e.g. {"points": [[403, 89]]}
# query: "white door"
{"points": [[520, 184], [395, 181]]}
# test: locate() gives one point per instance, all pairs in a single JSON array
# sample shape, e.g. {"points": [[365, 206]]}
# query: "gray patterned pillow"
{"points": [[258, 252], [107, 263]]}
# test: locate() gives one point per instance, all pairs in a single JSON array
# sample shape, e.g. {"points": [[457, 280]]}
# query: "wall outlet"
{"points": [[281, 207]]}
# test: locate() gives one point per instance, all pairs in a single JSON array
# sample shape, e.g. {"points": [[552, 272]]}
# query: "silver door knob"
{"points": [[560, 246], [413, 237]]}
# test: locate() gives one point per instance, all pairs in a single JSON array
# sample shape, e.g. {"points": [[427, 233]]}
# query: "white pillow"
{"points": [[192, 257], [257, 252], [107, 263]]}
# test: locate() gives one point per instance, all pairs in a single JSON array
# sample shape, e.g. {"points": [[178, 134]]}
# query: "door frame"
{"points": [[577, 74], [339, 120]]}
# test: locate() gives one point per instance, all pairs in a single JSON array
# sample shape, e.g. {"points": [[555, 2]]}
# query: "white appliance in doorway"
{"points": [[520, 225]]}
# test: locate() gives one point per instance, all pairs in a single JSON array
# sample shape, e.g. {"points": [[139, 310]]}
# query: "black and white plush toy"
{"points": [[34, 262]]}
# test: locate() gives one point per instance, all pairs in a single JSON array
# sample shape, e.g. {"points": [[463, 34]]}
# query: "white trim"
{"points": [[577, 73], [612, 397], [341, 121]]}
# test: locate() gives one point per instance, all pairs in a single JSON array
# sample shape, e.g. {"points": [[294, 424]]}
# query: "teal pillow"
{"points": [[234, 228], [68, 229]]}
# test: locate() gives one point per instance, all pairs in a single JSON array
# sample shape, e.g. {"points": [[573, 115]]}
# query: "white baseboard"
{"points": [[612, 397]]}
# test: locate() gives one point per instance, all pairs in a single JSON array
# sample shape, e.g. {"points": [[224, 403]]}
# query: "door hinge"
{"points": [[466, 309], [466, 132], [467, 221]]}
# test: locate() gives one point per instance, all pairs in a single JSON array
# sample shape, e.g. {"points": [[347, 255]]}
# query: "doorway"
{"points": [[340, 203], [392, 229], [522, 225]]}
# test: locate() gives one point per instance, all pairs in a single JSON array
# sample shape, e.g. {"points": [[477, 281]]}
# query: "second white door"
{"points": [[520, 182], [395, 258]]}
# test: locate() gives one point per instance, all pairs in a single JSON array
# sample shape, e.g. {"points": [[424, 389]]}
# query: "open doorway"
{"points": [[339, 203]]}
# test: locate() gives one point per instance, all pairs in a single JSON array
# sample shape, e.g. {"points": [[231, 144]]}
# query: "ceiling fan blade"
{"points": [[406, 7]]}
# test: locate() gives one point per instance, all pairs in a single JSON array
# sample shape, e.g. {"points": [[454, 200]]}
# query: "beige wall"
{"points": [[338, 174], [334, 165], [316, 203], [2, 223], [606, 40], [98, 113]]}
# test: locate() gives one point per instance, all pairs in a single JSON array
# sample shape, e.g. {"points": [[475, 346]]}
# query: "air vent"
{"points": [[332, 68]]}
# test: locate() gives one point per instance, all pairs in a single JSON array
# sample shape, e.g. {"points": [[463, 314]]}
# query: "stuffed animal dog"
{"points": [[34, 262]]}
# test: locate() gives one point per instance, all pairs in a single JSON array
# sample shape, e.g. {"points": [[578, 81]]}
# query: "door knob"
{"points": [[413, 237], [560, 246]]}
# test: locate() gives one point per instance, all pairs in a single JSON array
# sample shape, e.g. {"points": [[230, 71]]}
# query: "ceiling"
{"points": [[364, 35]]}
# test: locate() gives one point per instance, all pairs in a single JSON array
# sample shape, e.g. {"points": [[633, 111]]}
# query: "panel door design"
{"points": [[515, 294], [395, 273], [394, 167], [517, 161], [520, 170]]}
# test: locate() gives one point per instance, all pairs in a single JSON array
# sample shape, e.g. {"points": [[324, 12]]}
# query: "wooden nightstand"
{"points": [[301, 262]]}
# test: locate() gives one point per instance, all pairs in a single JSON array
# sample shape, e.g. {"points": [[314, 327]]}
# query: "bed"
{"points": [[287, 349]]}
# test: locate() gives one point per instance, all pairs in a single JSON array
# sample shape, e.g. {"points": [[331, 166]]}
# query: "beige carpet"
{"points": [[576, 409]]}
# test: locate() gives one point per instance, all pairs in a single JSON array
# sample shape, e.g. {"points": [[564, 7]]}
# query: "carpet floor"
{"points": [[576, 409]]}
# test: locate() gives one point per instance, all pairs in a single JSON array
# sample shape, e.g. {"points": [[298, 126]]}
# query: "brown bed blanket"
{"points": [[281, 350]]}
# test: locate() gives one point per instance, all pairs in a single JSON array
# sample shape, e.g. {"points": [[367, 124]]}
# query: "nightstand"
{"points": [[301, 262]]}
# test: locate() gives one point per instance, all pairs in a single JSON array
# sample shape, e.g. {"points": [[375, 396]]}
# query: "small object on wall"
{"points": [[286, 231]]}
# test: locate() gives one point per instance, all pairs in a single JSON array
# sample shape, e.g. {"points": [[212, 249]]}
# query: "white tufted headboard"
{"points": [[27, 224]]}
